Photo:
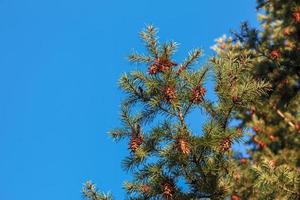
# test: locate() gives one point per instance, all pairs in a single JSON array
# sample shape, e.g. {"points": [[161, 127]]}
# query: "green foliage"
{"points": [[166, 158], [273, 168], [90, 192], [257, 84]]}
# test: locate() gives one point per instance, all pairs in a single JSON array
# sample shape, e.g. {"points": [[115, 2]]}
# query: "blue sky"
{"points": [[59, 65]]}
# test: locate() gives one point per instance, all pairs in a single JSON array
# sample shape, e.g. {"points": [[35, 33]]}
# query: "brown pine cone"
{"points": [[135, 142], [168, 190], [170, 93], [197, 94], [225, 145], [183, 146]]}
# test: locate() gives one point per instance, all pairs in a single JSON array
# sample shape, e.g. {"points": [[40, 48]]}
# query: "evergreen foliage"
{"points": [[166, 158], [257, 83], [272, 170], [90, 192]]}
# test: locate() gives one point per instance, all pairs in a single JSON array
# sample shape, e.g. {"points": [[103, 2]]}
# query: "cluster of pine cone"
{"points": [[160, 65]]}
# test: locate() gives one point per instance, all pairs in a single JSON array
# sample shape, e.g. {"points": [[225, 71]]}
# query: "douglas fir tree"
{"points": [[272, 169], [167, 159]]}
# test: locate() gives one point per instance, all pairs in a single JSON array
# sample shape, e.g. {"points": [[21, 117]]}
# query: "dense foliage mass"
{"points": [[272, 171], [256, 75]]}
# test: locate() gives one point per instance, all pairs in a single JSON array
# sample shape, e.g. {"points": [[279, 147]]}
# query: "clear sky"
{"points": [[59, 65]]}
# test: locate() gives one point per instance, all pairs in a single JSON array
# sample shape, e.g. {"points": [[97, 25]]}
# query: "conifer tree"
{"points": [[272, 167], [167, 159]]}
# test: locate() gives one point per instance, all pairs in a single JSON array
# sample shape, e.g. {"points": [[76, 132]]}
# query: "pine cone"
{"points": [[170, 93], [225, 145], [165, 64], [272, 163], [153, 69], [287, 31], [255, 139], [135, 142], [162, 64], [183, 146], [235, 197], [296, 15], [223, 46], [197, 94], [256, 129], [297, 127], [275, 54], [243, 161], [239, 132], [145, 188], [168, 190], [272, 138], [235, 99], [262, 144]]}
